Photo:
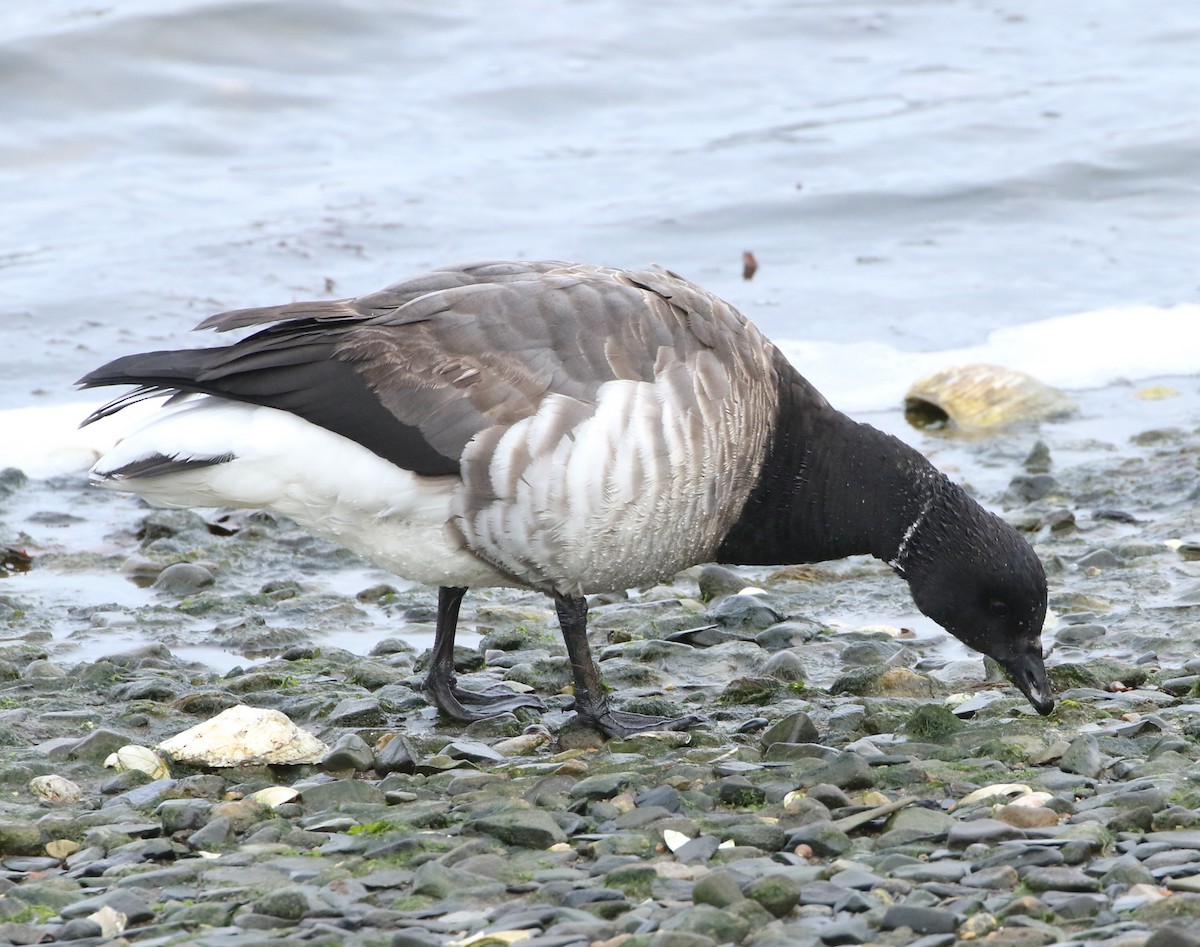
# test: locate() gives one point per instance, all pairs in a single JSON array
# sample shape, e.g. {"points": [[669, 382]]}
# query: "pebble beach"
{"points": [[854, 780], [918, 185]]}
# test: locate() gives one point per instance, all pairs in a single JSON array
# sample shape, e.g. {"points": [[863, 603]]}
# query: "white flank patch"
{"points": [[329, 484]]}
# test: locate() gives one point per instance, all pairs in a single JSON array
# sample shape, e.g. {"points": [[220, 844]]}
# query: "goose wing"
{"points": [[415, 371]]}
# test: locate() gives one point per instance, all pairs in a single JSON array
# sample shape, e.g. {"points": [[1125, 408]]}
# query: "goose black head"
{"points": [[975, 576]]}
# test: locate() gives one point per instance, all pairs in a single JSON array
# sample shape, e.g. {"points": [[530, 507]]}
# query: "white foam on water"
{"points": [[1084, 350], [47, 441]]}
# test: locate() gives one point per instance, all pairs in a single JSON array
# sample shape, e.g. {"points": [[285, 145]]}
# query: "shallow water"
{"points": [[910, 174]]}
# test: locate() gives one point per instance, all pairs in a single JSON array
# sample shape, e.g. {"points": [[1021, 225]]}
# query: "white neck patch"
{"points": [[908, 535]]}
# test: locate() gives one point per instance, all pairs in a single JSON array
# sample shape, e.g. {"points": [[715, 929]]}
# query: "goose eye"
{"points": [[998, 607]]}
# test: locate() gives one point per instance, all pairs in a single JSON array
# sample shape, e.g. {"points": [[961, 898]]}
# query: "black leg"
{"points": [[591, 703], [440, 684]]}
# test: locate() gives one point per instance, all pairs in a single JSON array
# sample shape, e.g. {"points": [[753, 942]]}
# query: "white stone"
{"points": [[55, 789], [245, 735], [140, 758]]}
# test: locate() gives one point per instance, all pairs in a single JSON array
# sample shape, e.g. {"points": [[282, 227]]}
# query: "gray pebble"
{"points": [[785, 666], [697, 850], [794, 728], [319, 797], [744, 613], [920, 920], [214, 836], [1039, 879], [529, 828], [720, 888], [851, 930], [1083, 757], [81, 928], [357, 712], [717, 581], [985, 831], [1099, 559], [350, 752]]}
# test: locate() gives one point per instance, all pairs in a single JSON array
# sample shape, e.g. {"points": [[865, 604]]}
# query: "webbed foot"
{"points": [[619, 723], [468, 706]]}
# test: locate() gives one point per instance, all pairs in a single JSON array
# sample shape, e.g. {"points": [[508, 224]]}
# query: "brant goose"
{"points": [[567, 428]]}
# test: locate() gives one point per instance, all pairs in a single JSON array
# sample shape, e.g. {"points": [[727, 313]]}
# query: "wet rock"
{"points": [[357, 712], [823, 838], [736, 791], [43, 670], [722, 925], [747, 613], [1058, 879], [1026, 488], [1082, 757], [851, 930], [718, 888], [794, 728], [697, 850], [788, 634], [1038, 459], [350, 752], [755, 691], [1099, 559], [320, 797], [1171, 935], [920, 920], [290, 903], [215, 835], [1027, 817], [778, 893], [761, 835], [785, 666], [528, 828], [996, 878], [394, 754], [183, 578], [848, 771], [135, 909], [882, 681], [18, 838], [944, 872], [719, 581], [981, 831], [931, 722]]}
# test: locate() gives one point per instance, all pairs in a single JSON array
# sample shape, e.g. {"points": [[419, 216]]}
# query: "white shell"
{"points": [[274, 796], [1009, 791], [523, 745], [674, 840], [112, 922], [1032, 799], [492, 938], [55, 789], [245, 735], [140, 758]]}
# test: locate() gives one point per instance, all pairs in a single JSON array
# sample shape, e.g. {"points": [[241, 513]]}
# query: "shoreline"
{"points": [[567, 839]]}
